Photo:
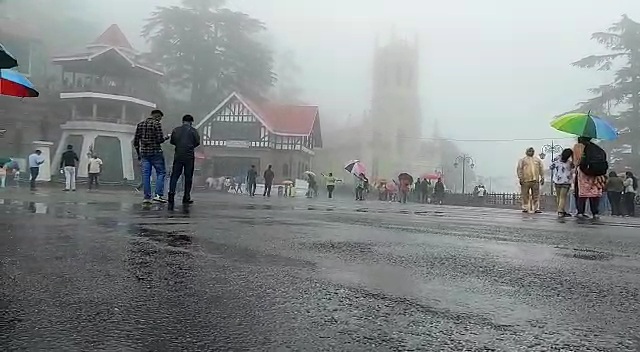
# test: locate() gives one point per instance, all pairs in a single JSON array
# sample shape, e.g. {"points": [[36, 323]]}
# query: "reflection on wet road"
{"points": [[237, 274]]}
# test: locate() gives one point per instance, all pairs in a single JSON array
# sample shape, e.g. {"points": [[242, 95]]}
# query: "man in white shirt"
{"points": [[95, 168], [35, 160]]}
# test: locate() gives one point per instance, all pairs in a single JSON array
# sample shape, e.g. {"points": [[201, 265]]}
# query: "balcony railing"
{"points": [[115, 89]]}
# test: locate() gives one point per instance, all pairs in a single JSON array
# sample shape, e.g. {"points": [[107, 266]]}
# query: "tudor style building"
{"points": [[239, 133]]}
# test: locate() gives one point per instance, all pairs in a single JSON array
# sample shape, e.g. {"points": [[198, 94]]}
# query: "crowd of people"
{"points": [[581, 176], [581, 173]]}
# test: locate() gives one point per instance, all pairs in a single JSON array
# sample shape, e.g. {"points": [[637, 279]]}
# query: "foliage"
{"points": [[210, 50], [619, 99]]}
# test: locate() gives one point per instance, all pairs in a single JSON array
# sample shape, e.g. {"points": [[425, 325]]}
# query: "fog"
{"points": [[491, 69]]}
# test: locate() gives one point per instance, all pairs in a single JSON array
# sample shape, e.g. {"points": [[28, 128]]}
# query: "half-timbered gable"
{"points": [[238, 122], [266, 133]]}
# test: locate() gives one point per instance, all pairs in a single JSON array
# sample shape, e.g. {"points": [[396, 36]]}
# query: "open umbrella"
{"points": [[287, 182], [431, 176], [405, 176], [6, 59], [310, 173], [14, 84], [355, 167], [585, 125]]}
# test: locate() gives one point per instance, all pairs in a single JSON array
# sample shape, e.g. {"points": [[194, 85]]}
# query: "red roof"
{"points": [[114, 37], [289, 119]]}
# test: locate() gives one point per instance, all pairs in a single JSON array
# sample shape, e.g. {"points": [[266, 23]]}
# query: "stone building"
{"points": [[389, 140]]}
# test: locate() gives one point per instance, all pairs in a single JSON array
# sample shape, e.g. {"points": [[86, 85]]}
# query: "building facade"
{"points": [[395, 121], [107, 89], [389, 140], [239, 133]]}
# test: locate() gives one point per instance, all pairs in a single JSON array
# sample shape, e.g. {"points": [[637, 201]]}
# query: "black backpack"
{"points": [[594, 161]]}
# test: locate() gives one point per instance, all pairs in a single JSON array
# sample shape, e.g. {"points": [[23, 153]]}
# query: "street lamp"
{"points": [[464, 159], [552, 149]]}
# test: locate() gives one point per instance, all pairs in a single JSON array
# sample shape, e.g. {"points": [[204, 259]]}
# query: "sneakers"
{"points": [[159, 199], [147, 201]]}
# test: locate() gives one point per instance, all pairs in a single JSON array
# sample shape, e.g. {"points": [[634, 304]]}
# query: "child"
{"points": [[562, 171]]}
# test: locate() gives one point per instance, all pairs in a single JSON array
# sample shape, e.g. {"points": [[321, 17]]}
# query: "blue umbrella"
{"points": [[6, 59]]}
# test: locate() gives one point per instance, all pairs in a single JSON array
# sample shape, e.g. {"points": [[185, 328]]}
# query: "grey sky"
{"points": [[492, 69]]}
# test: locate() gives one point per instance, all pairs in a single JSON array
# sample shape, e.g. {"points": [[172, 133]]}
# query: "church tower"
{"points": [[395, 117]]}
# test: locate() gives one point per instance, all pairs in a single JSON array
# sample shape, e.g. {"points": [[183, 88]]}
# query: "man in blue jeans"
{"points": [[148, 143]]}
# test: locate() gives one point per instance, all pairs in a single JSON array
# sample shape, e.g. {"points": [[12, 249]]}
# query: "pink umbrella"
{"points": [[431, 176]]}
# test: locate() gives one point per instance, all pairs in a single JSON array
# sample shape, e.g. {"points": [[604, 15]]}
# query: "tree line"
{"points": [[618, 100]]}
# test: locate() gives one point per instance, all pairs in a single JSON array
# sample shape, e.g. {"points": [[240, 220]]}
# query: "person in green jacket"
{"points": [[331, 183]]}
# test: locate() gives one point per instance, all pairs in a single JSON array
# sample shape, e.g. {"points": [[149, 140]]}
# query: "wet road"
{"points": [[96, 271]]}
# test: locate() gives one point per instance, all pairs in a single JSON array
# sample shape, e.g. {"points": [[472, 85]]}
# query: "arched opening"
{"points": [[108, 149], [285, 170]]}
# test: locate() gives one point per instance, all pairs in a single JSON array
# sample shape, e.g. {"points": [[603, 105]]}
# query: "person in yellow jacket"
{"points": [[531, 176]]}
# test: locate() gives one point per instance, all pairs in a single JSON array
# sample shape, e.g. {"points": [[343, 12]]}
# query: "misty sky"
{"points": [[492, 69]]}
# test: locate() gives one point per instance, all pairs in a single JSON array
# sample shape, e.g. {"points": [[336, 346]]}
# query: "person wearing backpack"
{"points": [[591, 168]]}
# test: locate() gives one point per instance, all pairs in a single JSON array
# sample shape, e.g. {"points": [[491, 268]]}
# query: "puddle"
{"points": [[37, 208]]}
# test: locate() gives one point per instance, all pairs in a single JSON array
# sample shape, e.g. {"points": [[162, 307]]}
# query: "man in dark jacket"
{"points": [[185, 138], [268, 181], [68, 163]]}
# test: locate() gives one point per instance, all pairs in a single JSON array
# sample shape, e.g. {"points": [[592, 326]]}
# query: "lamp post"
{"points": [[552, 149], [463, 160]]}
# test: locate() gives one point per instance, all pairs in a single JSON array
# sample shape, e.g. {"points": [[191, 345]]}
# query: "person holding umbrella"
{"points": [[590, 160]]}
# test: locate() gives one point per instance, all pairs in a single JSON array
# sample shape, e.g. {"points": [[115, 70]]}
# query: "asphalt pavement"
{"points": [[100, 272]]}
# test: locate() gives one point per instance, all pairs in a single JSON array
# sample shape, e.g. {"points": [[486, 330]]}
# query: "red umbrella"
{"points": [[431, 176], [13, 83]]}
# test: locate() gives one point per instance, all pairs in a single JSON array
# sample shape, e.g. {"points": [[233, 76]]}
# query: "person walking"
{"points": [[438, 191], [331, 184], [252, 176], [3, 175], [269, 175], [591, 166], [405, 187], [562, 170], [148, 144], [94, 169], [35, 160], [186, 139], [614, 189], [423, 190], [531, 176], [630, 190], [68, 163]]}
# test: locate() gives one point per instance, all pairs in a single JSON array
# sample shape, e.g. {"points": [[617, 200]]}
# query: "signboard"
{"points": [[238, 144]]}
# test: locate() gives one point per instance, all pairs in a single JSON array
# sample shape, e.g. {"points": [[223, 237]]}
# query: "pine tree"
{"points": [[620, 99]]}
